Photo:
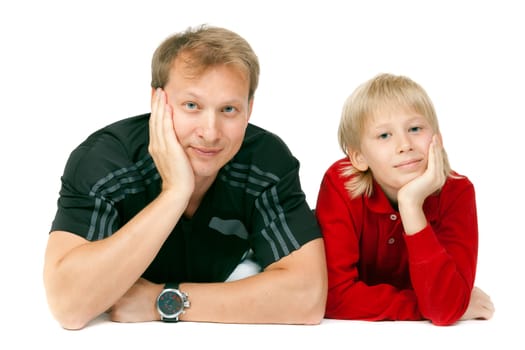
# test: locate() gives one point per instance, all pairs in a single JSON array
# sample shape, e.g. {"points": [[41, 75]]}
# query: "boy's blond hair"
{"points": [[383, 92]]}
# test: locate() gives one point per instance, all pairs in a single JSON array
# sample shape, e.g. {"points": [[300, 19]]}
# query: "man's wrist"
{"points": [[172, 303]]}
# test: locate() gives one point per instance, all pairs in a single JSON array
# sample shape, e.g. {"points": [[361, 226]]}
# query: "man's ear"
{"points": [[250, 108], [153, 90], [358, 160]]}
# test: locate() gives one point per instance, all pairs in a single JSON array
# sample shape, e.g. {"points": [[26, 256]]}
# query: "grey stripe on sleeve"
{"points": [[113, 188]]}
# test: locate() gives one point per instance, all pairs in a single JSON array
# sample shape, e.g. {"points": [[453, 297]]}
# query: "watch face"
{"points": [[170, 303]]}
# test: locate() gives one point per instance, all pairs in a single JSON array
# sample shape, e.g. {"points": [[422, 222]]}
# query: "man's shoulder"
{"points": [[263, 139], [126, 125], [265, 152], [115, 146], [124, 131]]}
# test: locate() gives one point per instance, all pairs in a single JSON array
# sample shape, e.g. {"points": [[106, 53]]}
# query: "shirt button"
{"points": [[391, 240], [393, 217]]}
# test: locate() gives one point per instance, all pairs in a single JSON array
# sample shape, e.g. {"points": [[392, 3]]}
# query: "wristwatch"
{"points": [[171, 303]]}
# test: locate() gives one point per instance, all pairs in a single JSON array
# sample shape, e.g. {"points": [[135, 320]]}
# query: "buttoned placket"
{"points": [[392, 240]]}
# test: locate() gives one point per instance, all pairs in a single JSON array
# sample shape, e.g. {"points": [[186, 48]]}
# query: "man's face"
{"points": [[210, 114]]}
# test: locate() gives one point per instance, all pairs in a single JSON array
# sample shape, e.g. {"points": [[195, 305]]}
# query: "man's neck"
{"points": [[202, 185]]}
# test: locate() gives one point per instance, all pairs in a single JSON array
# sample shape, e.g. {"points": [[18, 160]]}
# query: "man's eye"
{"points": [[229, 109], [191, 105]]}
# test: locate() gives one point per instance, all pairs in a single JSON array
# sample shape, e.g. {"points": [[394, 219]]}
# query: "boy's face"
{"points": [[394, 146], [210, 114]]}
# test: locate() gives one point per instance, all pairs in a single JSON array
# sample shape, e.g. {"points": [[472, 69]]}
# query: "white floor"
{"points": [[103, 334]]}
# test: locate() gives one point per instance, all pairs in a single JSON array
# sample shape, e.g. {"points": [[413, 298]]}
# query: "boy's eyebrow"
{"points": [[415, 118], [380, 126]]}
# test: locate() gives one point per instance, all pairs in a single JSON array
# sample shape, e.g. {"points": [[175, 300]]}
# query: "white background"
{"points": [[68, 68]]}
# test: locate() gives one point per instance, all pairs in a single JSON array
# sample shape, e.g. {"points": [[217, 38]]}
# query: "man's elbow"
{"points": [[315, 285], [73, 324], [314, 317], [70, 315], [316, 305], [68, 318]]}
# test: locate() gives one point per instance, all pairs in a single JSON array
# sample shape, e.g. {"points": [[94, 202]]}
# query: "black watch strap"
{"points": [[172, 285]]}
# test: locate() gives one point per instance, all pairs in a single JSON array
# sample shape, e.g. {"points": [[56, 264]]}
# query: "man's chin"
{"points": [[206, 169]]}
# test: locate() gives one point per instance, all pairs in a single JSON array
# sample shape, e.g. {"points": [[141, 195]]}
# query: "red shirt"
{"points": [[377, 272]]}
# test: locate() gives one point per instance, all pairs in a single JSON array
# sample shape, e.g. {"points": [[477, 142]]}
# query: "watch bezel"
{"points": [[182, 301]]}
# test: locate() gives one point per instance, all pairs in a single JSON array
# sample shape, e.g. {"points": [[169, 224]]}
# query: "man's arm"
{"points": [[83, 279], [290, 291]]}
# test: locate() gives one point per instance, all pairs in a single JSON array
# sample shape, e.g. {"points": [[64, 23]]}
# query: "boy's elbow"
{"points": [[443, 317], [444, 320], [445, 313], [444, 323]]}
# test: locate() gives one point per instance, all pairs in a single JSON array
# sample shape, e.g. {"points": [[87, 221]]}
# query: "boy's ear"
{"points": [[358, 160], [440, 139]]}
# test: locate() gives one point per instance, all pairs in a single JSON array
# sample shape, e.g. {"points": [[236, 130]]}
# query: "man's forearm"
{"points": [[87, 278], [291, 294]]}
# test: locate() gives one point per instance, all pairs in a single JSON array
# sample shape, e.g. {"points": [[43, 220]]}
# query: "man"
{"points": [[156, 211]]}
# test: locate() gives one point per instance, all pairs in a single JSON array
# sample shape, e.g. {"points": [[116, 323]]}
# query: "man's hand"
{"points": [[170, 159], [138, 304], [479, 307]]}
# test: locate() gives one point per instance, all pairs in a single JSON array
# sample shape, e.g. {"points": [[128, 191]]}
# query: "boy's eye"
{"points": [[415, 129], [383, 136]]}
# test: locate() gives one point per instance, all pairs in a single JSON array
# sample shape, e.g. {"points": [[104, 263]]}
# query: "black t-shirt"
{"points": [[256, 202]]}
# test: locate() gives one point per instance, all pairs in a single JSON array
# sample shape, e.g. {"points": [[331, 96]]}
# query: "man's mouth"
{"points": [[206, 151]]}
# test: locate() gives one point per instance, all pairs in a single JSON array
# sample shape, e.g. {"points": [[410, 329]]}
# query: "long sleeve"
{"points": [[443, 256], [341, 221]]}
